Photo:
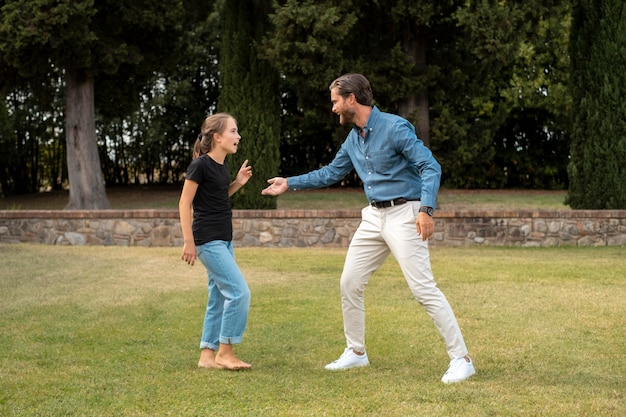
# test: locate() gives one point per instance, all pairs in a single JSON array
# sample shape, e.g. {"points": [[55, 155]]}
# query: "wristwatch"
{"points": [[428, 210]]}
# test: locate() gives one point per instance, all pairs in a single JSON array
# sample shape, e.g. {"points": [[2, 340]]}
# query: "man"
{"points": [[401, 179]]}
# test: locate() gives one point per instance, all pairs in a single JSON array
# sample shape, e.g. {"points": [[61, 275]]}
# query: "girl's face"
{"points": [[229, 139]]}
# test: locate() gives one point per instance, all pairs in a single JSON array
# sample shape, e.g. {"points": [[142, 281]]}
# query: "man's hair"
{"points": [[355, 84]]}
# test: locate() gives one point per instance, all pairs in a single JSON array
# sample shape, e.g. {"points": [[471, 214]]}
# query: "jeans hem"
{"points": [[230, 340]]}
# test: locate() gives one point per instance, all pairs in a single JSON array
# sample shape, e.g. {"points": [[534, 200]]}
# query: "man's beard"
{"points": [[346, 118]]}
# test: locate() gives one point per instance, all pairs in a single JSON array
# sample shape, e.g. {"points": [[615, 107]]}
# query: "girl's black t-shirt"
{"points": [[212, 215]]}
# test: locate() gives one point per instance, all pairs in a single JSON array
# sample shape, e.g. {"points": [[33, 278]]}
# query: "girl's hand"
{"points": [[189, 253], [244, 174]]}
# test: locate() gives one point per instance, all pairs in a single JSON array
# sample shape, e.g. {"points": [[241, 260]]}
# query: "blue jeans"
{"points": [[229, 296]]}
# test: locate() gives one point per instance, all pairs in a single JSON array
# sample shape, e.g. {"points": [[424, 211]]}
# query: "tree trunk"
{"points": [[87, 191], [415, 47]]}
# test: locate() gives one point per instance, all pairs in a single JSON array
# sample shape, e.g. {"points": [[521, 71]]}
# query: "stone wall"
{"points": [[313, 228]]}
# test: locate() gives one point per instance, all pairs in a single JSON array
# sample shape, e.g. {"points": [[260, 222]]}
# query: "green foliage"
{"points": [[133, 49], [489, 76], [250, 94], [531, 152], [306, 43], [511, 66], [597, 48], [35, 33], [474, 63], [531, 146], [31, 157], [81, 34], [153, 143]]}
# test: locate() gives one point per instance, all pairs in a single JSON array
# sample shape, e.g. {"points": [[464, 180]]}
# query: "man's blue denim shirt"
{"points": [[391, 161]]}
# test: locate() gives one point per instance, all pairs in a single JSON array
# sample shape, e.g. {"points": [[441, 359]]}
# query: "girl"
{"points": [[205, 197]]}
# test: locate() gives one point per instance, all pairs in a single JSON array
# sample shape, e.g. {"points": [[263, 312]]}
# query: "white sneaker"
{"points": [[459, 370], [348, 359]]}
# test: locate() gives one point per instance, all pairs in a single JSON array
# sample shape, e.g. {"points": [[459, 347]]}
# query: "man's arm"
{"points": [[328, 175]]}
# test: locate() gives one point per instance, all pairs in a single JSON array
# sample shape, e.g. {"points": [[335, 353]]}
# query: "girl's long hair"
{"points": [[214, 124]]}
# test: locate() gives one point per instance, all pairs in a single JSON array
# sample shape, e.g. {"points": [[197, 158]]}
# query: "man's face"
{"points": [[343, 106]]}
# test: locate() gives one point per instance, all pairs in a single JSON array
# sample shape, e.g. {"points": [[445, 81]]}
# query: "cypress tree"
{"points": [[597, 170], [249, 92]]}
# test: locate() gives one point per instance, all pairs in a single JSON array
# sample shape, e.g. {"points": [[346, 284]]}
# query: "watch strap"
{"points": [[428, 210]]}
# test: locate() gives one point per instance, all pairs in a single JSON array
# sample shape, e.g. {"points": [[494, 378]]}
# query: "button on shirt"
{"points": [[390, 160]]}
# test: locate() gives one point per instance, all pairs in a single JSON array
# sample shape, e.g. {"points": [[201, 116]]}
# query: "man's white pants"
{"points": [[392, 230]]}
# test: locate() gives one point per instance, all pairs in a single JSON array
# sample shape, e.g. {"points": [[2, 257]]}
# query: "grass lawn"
{"points": [[166, 197], [114, 331]]}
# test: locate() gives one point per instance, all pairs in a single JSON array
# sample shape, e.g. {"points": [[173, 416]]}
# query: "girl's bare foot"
{"points": [[207, 359], [227, 359], [232, 364]]}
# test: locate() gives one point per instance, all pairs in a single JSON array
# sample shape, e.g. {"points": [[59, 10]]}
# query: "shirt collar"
{"points": [[371, 121]]}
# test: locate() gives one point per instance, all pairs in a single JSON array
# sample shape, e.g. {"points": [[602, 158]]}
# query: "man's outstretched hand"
{"points": [[277, 186]]}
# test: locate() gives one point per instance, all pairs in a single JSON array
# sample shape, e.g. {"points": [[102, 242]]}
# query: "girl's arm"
{"points": [[185, 211]]}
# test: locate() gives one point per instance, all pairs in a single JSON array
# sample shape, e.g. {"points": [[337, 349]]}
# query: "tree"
{"points": [[481, 80], [250, 93], [153, 142], [447, 66], [598, 85], [86, 40], [31, 159], [532, 146]]}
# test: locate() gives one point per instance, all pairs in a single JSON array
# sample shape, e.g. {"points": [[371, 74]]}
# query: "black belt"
{"points": [[390, 203]]}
